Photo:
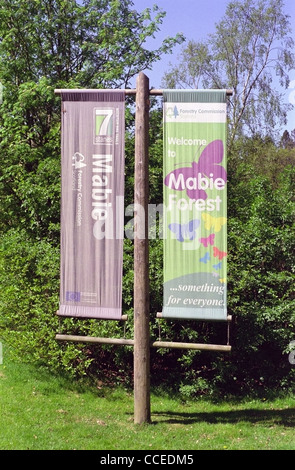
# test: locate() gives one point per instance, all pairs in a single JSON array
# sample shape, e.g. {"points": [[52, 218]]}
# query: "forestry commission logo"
{"points": [[78, 160], [103, 126], [172, 112], [195, 112], [78, 164]]}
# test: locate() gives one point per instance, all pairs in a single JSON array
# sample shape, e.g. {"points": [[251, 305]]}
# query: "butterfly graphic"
{"points": [[208, 240], [218, 254], [222, 280], [186, 231], [215, 274], [205, 258], [213, 222], [217, 266], [209, 165]]}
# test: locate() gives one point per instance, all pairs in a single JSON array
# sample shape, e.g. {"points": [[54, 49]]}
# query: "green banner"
{"points": [[195, 222]]}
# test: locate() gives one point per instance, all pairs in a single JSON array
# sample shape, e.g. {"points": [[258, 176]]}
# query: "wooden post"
{"points": [[141, 256]]}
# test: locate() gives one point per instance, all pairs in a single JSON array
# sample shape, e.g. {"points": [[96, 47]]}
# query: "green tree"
{"points": [[250, 48], [48, 44], [93, 43], [261, 274], [288, 140], [54, 44]]}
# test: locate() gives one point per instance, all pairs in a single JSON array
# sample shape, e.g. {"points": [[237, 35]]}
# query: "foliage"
{"points": [[93, 43], [262, 274], [58, 44], [261, 211], [46, 45]]}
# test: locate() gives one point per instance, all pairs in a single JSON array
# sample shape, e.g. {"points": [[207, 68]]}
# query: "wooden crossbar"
{"points": [[122, 318], [94, 339], [198, 346], [127, 91], [155, 344]]}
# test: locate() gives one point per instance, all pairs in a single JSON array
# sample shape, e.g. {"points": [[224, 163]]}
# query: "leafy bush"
{"points": [[261, 273]]}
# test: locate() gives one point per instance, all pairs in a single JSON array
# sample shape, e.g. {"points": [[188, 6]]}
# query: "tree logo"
{"points": [[172, 112], [78, 160]]}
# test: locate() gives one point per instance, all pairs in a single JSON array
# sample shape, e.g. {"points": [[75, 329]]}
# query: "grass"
{"points": [[41, 412]]}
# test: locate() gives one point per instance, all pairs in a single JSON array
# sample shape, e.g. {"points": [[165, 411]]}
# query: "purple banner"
{"points": [[92, 204]]}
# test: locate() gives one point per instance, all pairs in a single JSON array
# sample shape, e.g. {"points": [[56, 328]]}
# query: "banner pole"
{"points": [[141, 257]]}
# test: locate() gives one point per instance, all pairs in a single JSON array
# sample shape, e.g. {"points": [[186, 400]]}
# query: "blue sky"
{"points": [[196, 19]]}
